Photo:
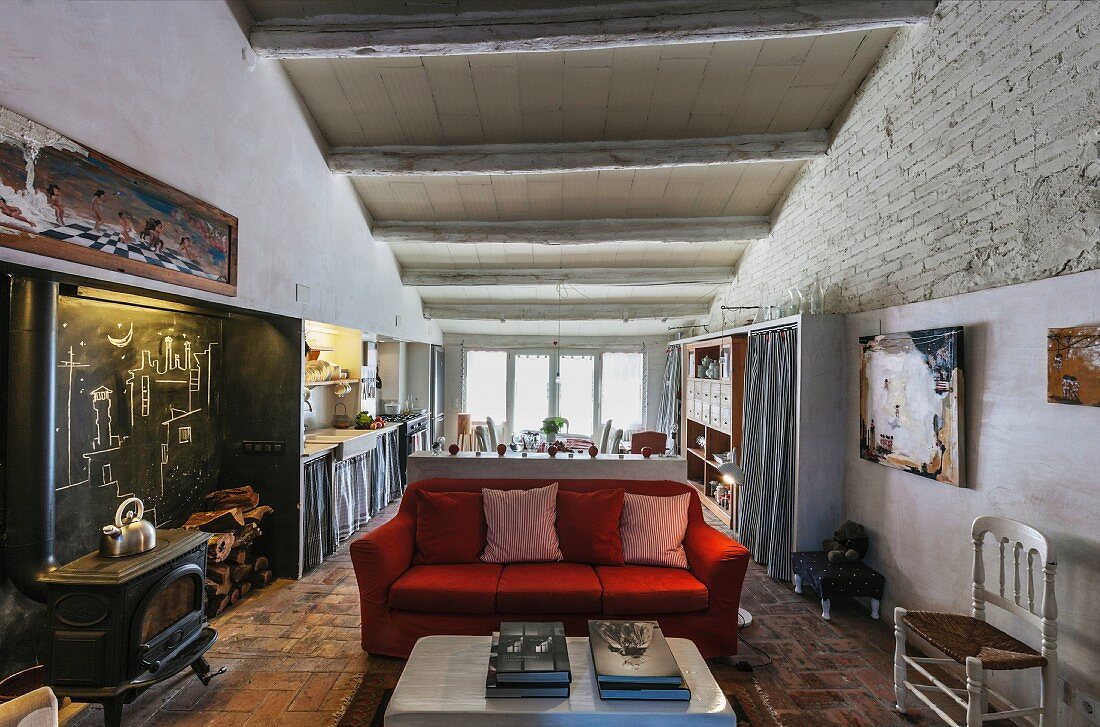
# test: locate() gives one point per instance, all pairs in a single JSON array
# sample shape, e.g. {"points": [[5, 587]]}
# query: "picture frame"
{"points": [[66, 201]]}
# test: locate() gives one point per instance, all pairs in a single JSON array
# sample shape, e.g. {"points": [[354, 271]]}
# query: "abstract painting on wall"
{"points": [[61, 199], [1073, 365], [910, 402]]}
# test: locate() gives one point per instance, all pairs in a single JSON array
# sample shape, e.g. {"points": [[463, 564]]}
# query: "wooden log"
{"points": [[238, 573], [239, 556], [259, 579], [219, 575], [234, 596], [261, 564], [216, 521], [246, 535], [216, 588], [219, 546], [243, 497], [216, 605], [257, 514], [245, 587]]}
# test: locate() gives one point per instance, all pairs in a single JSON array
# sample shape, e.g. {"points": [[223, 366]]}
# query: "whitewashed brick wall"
{"points": [[969, 159]]}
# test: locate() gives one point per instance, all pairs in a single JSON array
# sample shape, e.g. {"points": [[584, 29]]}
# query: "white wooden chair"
{"points": [[494, 434], [970, 641]]}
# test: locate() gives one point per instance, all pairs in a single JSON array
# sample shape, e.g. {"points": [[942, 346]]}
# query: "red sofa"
{"points": [[401, 602]]}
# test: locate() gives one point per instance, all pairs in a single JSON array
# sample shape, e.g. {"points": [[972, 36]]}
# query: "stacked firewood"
{"points": [[232, 517]]}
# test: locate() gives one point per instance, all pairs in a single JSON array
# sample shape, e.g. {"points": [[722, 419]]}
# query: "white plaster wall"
{"points": [[969, 159], [163, 87], [1025, 459]]}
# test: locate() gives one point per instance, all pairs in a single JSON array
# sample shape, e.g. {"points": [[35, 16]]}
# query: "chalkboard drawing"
{"points": [[125, 340], [165, 389]]}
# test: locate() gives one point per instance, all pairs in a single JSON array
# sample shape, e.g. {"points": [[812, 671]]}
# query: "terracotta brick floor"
{"points": [[293, 655]]}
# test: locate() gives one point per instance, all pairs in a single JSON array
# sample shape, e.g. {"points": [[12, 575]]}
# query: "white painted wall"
{"points": [[163, 87], [1025, 459]]}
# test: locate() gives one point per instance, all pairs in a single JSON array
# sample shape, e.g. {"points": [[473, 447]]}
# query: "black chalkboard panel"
{"points": [[138, 399]]}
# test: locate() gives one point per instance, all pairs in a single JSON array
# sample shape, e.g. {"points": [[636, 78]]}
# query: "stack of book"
{"points": [[633, 661], [529, 659]]}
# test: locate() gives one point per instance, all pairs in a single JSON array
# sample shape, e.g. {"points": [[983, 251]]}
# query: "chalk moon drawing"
{"points": [[125, 340]]}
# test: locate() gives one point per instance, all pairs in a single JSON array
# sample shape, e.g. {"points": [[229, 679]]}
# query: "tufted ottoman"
{"points": [[836, 579]]}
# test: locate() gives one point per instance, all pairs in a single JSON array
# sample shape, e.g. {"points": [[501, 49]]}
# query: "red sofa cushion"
{"points": [[450, 527], [548, 588], [653, 530], [634, 589], [456, 588], [588, 526], [521, 525]]}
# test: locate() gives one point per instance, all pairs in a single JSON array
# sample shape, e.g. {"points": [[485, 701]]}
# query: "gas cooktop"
{"points": [[400, 417]]}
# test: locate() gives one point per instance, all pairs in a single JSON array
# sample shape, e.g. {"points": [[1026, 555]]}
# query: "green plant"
{"points": [[553, 425]]}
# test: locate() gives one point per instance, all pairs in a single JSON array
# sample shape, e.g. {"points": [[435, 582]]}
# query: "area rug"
{"points": [[367, 707]]}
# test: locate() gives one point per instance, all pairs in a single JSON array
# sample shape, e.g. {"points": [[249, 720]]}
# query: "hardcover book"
{"points": [[494, 688], [632, 654], [532, 652]]}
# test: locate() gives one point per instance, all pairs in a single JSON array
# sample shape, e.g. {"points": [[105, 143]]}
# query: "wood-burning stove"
{"points": [[120, 625]]}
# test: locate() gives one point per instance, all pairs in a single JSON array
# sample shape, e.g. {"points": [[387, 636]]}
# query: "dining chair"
{"points": [[605, 436], [616, 440], [481, 438], [657, 441], [494, 438], [981, 647]]}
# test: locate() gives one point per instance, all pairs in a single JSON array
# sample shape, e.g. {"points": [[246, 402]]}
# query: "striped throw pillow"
{"points": [[520, 525], [653, 529]]}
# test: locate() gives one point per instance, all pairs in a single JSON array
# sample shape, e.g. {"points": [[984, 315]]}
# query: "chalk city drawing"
{"points": [[162, 390]]}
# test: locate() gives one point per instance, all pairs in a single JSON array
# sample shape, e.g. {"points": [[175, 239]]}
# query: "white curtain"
{"points": [[668, 414]]}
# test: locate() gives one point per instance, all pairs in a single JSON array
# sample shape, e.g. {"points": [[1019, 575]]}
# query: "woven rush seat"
{"points": [[961, 636]]}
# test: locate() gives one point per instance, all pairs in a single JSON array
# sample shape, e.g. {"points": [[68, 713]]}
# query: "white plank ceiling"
{"points": [[629, 93]]}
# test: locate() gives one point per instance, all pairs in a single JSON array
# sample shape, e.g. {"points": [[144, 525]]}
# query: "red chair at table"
{"points": [[657, 441]]}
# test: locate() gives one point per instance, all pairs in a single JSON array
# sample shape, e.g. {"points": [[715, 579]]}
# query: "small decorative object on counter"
{"points": [[552, 425], [363, 420], [849, 543], [593, 451], [453, 449], [501, 449], [552, 451], [340, 418], [437, 445], [647, 452]]}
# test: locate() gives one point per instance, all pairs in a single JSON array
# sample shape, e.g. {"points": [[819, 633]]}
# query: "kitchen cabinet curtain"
{"points": [[317, 509], [768, 445], [668, 413]]}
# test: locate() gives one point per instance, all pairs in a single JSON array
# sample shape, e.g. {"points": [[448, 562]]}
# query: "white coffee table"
{"points": [[444, 684]]}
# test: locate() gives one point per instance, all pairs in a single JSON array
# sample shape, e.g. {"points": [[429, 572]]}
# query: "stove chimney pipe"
{"points": [[32, 375]]}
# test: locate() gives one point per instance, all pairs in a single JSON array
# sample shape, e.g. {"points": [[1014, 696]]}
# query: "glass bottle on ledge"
{"points": [[817, 297]]}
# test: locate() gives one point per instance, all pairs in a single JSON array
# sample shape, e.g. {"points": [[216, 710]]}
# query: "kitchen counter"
{"points": [[312, 450], [468, 465]]}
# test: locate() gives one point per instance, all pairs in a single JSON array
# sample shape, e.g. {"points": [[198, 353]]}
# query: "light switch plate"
{"points": [[301, 293]]}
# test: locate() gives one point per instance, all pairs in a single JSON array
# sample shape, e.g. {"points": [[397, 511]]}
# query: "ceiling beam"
{"points": [[612, 25], [425, 277], [507, 311], [582, 156], [576, 232]]}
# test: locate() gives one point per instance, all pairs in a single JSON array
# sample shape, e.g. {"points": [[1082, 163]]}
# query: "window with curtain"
{"points": [[621, 394], [487, 385]]}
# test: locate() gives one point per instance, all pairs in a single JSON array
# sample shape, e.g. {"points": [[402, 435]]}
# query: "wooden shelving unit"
{"points": [[712, 415]]}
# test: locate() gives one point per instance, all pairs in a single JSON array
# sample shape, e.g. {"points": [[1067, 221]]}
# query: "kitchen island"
{"points": [[513, 465]]}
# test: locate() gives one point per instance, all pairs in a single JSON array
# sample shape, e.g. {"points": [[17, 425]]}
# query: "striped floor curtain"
{"points": [[768, 451], [668, 414], [353, 495], [317, 509]]}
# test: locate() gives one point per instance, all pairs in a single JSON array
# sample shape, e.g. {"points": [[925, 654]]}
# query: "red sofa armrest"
{"points": [[719, 561], [381, 556]]}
